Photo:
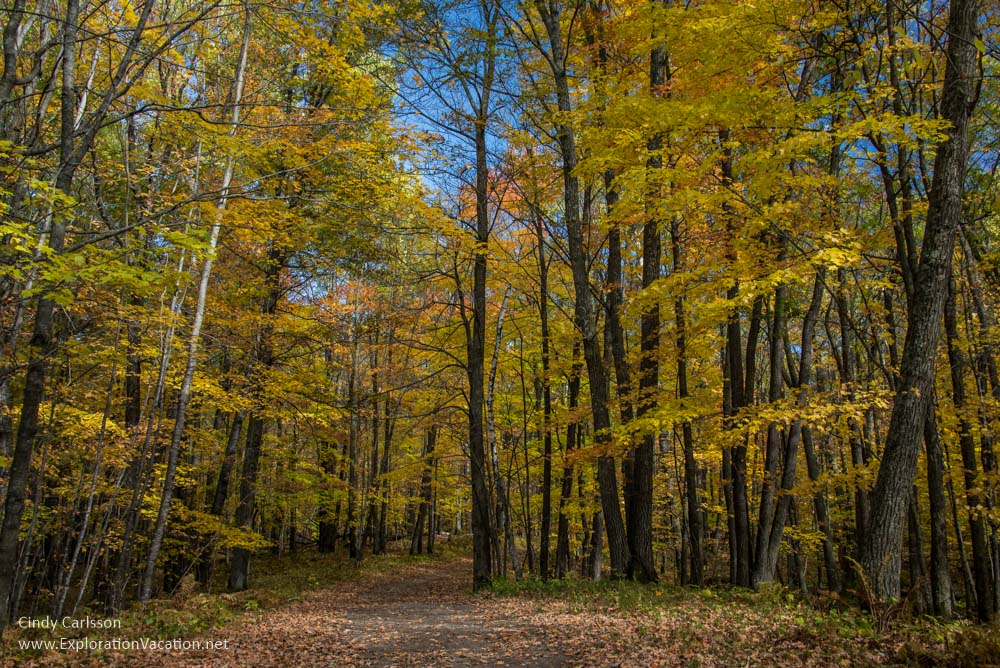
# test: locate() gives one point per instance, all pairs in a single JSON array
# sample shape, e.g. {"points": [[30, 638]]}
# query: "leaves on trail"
{"points": [[421, 613]]}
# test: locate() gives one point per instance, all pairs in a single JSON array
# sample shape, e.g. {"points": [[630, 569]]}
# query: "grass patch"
{"points": [[622, 595]]}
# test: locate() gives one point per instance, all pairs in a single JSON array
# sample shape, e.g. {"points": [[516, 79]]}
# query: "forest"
{"points": [[582, 297]]}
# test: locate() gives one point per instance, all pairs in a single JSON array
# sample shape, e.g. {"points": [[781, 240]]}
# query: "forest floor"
{"points": [[403, 611]]}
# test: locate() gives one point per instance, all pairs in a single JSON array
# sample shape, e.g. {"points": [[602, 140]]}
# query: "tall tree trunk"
{"points": [[881, 546], [41, 345], [173, 450], [614, 331], [738, 390], [159, 529], [262, 360], [331, 463], [584, 312], [639, 494], [694, 516], [940, 575], [353, 437], [383, 484], [371, 507], [988, 388], [790, 462], [543, 312], [221, 493], [416, 538], [572, 438], [981, 563], [503, 503], [764, 568], [482, 567], [525, 436], [859, 459]]}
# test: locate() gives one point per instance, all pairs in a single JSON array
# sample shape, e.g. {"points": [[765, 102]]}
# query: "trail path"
{"points": [[418, 615], [423, 614]]}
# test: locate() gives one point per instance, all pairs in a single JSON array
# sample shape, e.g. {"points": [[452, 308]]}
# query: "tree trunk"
{"points": [[353, 445], [221, 493], [739, 392], [482, 569], [41, 346], [790, 462], [915, 552], [383, 485], [694, 516], [940, 576], [572, 438], [416, 538], [543, 311], [584, 313], [262, 359], [764, 568], [881, 547], [981, 563], [503, 503], [159, 529], [639, 494]]}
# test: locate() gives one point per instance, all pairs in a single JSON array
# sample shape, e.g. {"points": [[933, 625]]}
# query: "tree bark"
{"points": [[482, 567], [572, 439], [416, 539], [764, 568], [790, 462], [221, 493], [159, 528], [41, 346], [981, 563], [503, 503], [881, 546], [695, 517], [584, 313], [639, 494], [262, 360], [543, 312], [738, 382], [940, 575]]}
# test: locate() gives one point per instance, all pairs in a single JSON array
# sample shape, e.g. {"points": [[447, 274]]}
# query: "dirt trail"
{"points": [[418, 615], [423, 614]]}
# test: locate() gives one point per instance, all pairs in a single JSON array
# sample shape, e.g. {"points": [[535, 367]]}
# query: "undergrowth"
{"points": [[914, 640]]}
